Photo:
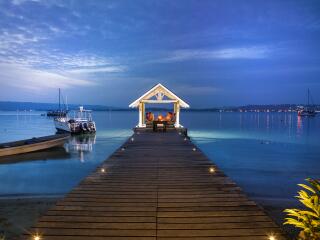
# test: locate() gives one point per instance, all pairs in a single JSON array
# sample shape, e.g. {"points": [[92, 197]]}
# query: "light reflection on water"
{"points": [[56, 171], [267, 154]]}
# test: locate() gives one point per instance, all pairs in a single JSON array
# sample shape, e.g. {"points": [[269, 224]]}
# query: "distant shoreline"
{"points": [[30, 106], [27, 106]]}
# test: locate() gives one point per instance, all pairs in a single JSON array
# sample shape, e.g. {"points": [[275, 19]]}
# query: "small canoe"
{"points": [[33, 144]]}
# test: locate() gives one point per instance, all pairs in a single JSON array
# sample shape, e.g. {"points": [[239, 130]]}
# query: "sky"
{"points": [[210, 53]]}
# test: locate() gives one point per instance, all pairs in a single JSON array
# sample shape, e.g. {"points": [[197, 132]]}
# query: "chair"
{"points": [[149, 119]]}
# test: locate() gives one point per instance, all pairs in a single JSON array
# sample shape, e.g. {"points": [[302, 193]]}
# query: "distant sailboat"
{"points": [[307, 111], [59, 112]]}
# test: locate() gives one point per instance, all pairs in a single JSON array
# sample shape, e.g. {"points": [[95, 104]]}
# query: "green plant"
{"points": [[307, 219]]}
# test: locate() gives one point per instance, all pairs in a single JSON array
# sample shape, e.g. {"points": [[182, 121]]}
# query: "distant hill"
{"points": [[21, 106], [13, 106]]}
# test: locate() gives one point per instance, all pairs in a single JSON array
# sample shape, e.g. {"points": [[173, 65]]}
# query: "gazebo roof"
{"points": [[159, 92]]}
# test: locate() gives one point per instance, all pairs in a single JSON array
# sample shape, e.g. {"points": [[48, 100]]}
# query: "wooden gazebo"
{"points": [[159, 94]]}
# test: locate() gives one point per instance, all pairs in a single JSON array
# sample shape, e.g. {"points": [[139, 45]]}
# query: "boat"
{"points": [[32, 144], [307, 111], [81, 122], [60, 112]]}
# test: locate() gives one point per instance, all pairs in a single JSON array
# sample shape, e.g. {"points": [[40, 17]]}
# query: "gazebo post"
{"points": [[142, 120], [177, 112], [143, 114], [140, 115]]}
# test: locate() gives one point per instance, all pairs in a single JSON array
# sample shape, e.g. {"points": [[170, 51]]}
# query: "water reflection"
{"points": [[56, 153], [299, 125], [81, 145]]}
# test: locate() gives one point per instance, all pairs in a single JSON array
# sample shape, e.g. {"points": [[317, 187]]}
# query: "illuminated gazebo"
{"points": [[159, 94]]}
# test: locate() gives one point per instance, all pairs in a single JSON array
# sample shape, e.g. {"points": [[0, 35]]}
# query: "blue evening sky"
{"points": [[211, 53]]}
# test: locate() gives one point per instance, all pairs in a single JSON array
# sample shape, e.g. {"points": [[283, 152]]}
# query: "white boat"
{"points": [[307, 111], [81, 122]]}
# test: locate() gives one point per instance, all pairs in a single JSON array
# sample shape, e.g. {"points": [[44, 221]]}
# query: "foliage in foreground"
{"points": [[308, 219]]}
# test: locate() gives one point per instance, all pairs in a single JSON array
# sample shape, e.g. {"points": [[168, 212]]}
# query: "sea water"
{"points": [[267, 154]]}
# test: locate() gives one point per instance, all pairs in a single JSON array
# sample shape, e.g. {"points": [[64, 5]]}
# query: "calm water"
{"points": [[267, 154]]}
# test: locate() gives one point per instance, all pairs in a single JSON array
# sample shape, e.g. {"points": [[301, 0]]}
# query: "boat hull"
{"points": [[62, 126], [307, 114], [74, 128], [18, 147]]}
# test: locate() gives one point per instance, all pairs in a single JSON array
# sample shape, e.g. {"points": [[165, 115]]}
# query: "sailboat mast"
{"points": [[59, 100], [67, 103]]}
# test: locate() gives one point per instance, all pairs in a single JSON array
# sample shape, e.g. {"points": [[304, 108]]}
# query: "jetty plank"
{"points": [[156, 186]]}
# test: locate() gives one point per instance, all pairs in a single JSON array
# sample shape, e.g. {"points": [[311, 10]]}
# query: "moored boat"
{"points": [[60, 112], [81, 122], [307, 111], [32, 145]]}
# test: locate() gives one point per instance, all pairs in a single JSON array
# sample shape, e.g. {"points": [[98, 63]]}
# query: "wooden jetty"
{"points": [[156, 186]]}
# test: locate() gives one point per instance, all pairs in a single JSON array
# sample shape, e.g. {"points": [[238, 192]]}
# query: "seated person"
{"points": [[169, 116], [149, 116]]}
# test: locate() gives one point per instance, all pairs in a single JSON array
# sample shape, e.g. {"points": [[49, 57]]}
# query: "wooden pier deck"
{"points": [[156, 186]]}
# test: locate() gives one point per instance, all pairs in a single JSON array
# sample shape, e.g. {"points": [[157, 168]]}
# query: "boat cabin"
{"points": [[159, 94]]}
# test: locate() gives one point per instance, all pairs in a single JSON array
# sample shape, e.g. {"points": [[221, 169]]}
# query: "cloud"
{"points": [[33, 79], [108, 69], [19, 2], [197, 90], [226, 53]]}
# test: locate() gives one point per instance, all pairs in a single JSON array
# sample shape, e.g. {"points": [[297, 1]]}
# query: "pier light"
{"points": [[212, 170], [36, 237], [272, 237]]}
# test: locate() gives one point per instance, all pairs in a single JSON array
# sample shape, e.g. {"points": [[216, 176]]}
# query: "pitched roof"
{"points": [[153, 92]]}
